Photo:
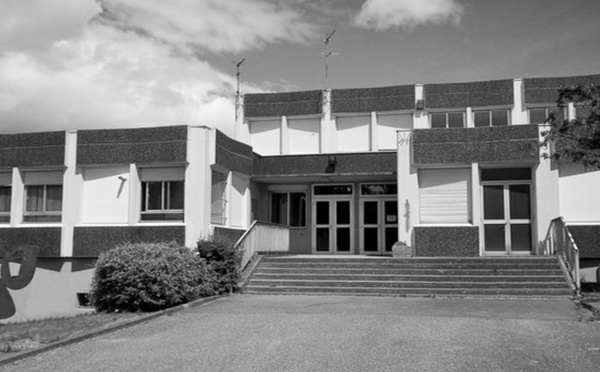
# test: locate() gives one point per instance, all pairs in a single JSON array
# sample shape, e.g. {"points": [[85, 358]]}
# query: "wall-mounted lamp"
{"points": [[420, 105], [331, 163], [123, 179]]}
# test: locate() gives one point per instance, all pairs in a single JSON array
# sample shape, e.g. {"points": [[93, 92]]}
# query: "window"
{"points": [[5, 196], [289, 208], [218, 198], [486, 118], [447, 119], [162, 201], [539, 115], [43, 203], [444, 195], [582, 111]]}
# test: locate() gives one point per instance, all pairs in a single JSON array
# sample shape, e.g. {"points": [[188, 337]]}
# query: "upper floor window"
{"points": [[5, 196], [218, 208], [43, 196], [162, 200], [486, 118], [455, 119], [289, 208], [539, 115], [163, 191], [582, 111], [43, 203]]}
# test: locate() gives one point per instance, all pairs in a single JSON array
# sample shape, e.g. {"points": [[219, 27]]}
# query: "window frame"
{"points": [[447, 118], [547, 110], [44, 215], [165, 211], [490, 117], [288, 208], [5, 214]]}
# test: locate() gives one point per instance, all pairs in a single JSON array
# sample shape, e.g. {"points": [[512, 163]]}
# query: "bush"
{"points": [[224, 260], [149, 277]]}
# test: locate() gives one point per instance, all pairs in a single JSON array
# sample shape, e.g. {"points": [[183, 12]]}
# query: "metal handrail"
{"points": [[560, 242]]}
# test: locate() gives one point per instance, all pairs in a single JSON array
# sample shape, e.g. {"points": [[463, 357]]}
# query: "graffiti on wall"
{"points": [[27, 257]]}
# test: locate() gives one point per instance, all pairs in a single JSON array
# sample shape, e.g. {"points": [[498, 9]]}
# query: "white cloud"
{"points": [[139, 63], [385, 14], [214, 25]]}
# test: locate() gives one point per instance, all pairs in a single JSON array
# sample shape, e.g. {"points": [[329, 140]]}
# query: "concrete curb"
{"points": [[95, 333]]}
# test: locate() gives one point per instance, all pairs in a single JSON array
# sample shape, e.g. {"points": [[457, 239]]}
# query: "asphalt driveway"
{"points": [[331, 333]]}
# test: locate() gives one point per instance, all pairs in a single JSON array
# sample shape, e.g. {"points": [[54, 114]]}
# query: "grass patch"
{"points": [[15, 337]]}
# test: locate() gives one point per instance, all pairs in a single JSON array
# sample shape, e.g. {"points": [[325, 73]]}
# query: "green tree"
{"points": [[576, 140]]}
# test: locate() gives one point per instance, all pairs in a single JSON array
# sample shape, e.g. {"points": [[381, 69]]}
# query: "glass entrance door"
{"points": [[507, 218], [333, 226], [378, 225], [333, 218]]}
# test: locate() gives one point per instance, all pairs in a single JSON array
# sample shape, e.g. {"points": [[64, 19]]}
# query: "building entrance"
{"points": [[333, 219]]}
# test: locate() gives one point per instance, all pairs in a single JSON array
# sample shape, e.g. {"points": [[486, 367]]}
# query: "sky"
{"points": [[92, 64]]}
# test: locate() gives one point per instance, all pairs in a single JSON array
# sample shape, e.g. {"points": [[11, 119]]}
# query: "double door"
{"points": [[378, 225], [333, 225], [507, 222]]}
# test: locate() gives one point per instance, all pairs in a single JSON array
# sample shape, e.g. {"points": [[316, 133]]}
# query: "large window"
{"points": [[487, 118], [5, 196], [454, 119], [43, 203], [162, 200], [289, 208], [444, 195], [539, 115], [218, 215]]}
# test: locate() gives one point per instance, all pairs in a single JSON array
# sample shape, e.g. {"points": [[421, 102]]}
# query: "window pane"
{"points": [[494, 238], [582, 110], [176, 192], [154, 196], [391, 212], [558, 112], [493, 202], [279, 208], [333, 190], [54, 198], [370, 242], [520, 237], [35, 199], [5, 198], [322, 213], [298, 209], [499, 117], [343, 212], [379, 189], [218, 198], [505, 174], [391, 237], [519, 201], [456, 120], [323, 239], [481, 118], [438, 120], [343, 239], [537, 115], [370, 213]]}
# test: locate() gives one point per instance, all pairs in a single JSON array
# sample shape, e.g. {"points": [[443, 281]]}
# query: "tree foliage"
{"points": [[576, 140]]}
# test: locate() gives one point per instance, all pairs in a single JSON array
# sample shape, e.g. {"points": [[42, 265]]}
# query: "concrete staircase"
{"points": [[386, 276]]}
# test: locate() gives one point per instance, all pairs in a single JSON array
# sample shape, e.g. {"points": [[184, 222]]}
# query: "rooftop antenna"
{"points": [[327, 53], [238, 66]]}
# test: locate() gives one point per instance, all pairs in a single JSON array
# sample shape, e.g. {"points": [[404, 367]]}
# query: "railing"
{"points": [[560, 242], [263, 237]]}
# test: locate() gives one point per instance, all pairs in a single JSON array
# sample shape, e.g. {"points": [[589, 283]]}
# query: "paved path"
{"points": [[304, 333]]}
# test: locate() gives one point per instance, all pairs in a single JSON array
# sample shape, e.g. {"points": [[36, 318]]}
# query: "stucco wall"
{"points": [[579, 199]]}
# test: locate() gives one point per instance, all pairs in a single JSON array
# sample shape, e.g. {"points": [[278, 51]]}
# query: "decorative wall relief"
{"points": [[27, 257]]}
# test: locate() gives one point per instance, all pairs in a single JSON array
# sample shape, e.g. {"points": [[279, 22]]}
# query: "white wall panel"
{"points": [[105, 196], [579, 193], [353, 133], [387, 127], [265, 136], [304, 135]]}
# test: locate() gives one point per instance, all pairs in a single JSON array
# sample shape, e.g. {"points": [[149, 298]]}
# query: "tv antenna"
{"points": [[238, 73], [326, 54]]}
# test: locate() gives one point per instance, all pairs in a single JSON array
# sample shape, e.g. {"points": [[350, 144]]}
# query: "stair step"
{"points": [[408, 271], [396, 277], [404, 284]]}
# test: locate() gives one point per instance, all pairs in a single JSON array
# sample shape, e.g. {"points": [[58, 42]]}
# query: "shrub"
{"points": [[149, 277], [224, 260]]}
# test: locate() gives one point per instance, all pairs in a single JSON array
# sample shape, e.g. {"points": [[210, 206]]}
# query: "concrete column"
{"points": [[328, 129], [469, 122], [374, 146], [17, 198], [408, 189], [242, 127], [476, 203], [518, 113], [72, 195], [420, 119], [285, 136], [135, 195], [201, 144]]}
